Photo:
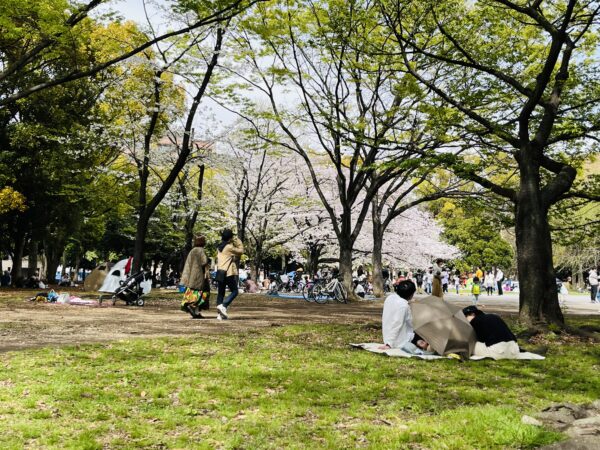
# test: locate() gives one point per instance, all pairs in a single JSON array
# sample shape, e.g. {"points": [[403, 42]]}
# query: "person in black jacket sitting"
{"points": [[494, 338]]}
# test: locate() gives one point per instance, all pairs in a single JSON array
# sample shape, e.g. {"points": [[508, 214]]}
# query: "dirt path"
{"points": [[25, 324]]}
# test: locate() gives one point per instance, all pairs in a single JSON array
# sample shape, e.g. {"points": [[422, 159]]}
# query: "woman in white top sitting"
{"points": [[396, 320]]}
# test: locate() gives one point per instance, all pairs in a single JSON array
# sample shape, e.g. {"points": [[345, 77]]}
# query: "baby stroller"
{"points": [[131, 290]]}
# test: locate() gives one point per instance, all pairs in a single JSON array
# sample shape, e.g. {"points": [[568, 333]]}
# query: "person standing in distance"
{"points": [[436, 289], [593, 280], [229, 252], [499, 279]]}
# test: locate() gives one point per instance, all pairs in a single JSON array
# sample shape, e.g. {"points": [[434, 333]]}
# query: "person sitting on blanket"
{"points": [[494, 338], [418, 346], [396, 321]]}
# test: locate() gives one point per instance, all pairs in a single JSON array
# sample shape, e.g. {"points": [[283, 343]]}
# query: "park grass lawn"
{"points": [[283, 387]]}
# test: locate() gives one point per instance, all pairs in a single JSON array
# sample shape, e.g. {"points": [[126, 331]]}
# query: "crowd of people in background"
{"points": [[439, 279]]}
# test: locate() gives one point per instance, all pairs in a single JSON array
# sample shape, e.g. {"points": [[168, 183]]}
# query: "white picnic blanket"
{"points": [[376, 347]]}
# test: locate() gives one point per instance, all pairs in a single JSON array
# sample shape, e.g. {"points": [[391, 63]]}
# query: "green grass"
{"points": [[285, 387]]}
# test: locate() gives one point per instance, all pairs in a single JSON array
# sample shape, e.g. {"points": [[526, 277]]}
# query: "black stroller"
{"points": [[131, 290]]}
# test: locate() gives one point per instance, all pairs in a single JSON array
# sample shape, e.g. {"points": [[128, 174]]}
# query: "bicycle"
{"points": [[308, 291], [333, 290]]}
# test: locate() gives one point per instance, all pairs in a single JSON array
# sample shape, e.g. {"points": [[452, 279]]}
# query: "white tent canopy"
{"points": [[116, 274], [112, 282]]}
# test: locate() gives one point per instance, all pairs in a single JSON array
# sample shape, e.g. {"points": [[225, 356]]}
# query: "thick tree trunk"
{"points": [[76, 270], [255, 266], [51, 269], [19, 247], [53, 255], [312, 262], [538, 296], [32, 259], [163, 274], [376, 260], [256, 262], [63, 262], [346, 268]]}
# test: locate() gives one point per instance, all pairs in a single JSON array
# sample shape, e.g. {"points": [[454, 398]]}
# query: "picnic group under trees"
{"points": [[494, 337]]}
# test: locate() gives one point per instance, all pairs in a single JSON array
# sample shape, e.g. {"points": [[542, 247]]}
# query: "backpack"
{"points": [[476, 289]]}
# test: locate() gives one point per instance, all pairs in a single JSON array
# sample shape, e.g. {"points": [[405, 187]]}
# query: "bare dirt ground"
{"points": [[25, 324]]}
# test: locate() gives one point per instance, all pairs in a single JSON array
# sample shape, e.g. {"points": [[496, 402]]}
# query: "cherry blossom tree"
{"points": [[267, 196], [332, 106]]}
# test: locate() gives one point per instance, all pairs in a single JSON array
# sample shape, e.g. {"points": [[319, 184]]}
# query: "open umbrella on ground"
{"points": [[443, 325]]}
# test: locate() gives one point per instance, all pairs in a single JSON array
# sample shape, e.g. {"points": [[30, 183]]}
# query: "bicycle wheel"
{"points": [[307, 292], [319, 294], [339, 293]]}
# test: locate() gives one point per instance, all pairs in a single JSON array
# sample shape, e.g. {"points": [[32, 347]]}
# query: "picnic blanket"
{"points": [[376, 347]]}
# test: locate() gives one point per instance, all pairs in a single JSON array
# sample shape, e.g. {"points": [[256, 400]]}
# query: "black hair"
{"points": [[416, 339], [406, 289], [472, 309], [226, 236]]}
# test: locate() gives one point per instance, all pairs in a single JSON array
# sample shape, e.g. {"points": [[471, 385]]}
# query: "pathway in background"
{"points": [[509, 302]]}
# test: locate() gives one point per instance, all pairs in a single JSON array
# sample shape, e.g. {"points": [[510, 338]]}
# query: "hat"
{"points": [[472, 309]]}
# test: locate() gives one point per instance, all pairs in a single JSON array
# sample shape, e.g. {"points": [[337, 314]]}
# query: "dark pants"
{"points": [[232, 283], [594, 291], [499, 287]]}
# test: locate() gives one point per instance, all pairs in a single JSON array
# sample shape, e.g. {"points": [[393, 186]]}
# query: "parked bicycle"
{"points": [[323, 291]]}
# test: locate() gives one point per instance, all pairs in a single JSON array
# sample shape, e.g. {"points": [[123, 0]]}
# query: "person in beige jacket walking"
{"points": [[229, 252]]}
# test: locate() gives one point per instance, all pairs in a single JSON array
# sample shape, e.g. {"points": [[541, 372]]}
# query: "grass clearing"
{"points": [[283, 387]]}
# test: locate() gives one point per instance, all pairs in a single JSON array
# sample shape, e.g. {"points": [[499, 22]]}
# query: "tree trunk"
{"points": [[538, 295], [16, 274], [63, 261], [376, 257], [140, 240], [190, 221], [255, 266], [32, 258], [53, 256], [77, 264], [346, 268], [256, 262], [163, 274], [312, 262]]}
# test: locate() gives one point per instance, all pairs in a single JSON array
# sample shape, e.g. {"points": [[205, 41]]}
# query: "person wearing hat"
{"points": [[494, 338], [229, 252]]}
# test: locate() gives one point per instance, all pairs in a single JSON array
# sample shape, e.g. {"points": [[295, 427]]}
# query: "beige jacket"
{"points": [[229, 258], [194, 270]]}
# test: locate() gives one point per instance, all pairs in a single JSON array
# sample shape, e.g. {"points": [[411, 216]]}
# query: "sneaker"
{"points": [[219, 317], [222, 311]]}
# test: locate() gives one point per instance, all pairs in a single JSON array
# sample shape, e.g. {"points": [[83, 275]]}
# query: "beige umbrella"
{"points": [[443, 325]]}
